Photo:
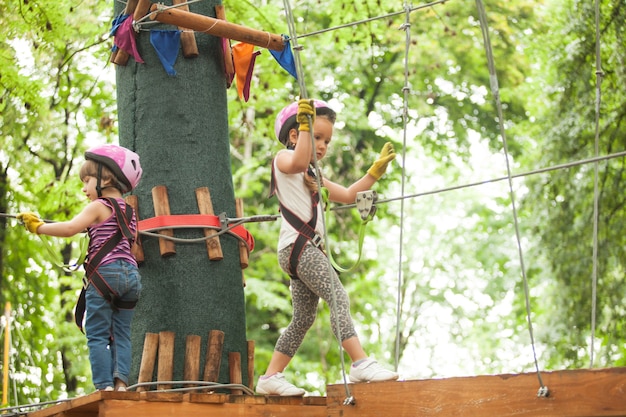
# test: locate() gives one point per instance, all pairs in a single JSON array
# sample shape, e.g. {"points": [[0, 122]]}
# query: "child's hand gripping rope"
{"points": [[306, 112], [30, 220]]}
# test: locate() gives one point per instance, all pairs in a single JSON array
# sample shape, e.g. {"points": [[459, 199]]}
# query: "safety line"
{"points": [[202, 385], [137, 24], [405, 116], [141, 23], [492, 180], [349, 400], [371, 19], [482, 15], [594, 272]]}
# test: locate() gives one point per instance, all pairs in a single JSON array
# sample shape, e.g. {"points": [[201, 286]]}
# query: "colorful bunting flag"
{"points": [[285, 59], [166, 44], [117, 21], [244, 57], [125, 39]]}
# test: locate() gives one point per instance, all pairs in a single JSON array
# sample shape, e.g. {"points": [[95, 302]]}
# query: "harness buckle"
{"points": [[85, 282], [365, 203], [316, 240]]}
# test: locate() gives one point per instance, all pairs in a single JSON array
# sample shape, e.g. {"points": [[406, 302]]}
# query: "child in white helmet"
{"points": [[113, 283], [299, 245]]}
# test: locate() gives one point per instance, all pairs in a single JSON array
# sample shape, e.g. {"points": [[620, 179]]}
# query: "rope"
{"points": [[371, 19], [206, 221], [405, 116], [594, 273], [496, 93], [202, 385], [83, 242], [137, 24], [303, 94], [359, 246], [489, 181]]}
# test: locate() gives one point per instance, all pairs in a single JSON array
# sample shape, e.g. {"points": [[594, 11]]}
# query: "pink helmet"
{"points": [[286, 119], [123, 162]]}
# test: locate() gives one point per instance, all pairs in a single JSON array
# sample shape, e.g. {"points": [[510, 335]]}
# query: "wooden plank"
{"points": [[208, 398], [576, 393], [205, 206], [117, 408], [165, 366], [192, 359], [164, 396], [229, 65], [234, 368], [213, 359], [161, 203], [85, 406], [243, 249], [148, 360], [250, 345], [187, 38], [137, 248], [88, 403]]}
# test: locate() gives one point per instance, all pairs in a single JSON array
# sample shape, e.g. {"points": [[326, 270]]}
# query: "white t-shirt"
{"points": [[293, 194]]}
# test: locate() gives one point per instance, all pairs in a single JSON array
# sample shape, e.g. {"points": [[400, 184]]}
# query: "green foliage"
{"points": [[563, 202], [54, 98]]}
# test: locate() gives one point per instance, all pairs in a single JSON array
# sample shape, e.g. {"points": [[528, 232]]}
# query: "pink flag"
{"points": [[125, 40]]}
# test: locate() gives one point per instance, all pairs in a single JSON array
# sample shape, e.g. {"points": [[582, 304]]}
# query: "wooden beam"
{"points": [[163, 404], [217, 27], [117, 408], [576, 393]]}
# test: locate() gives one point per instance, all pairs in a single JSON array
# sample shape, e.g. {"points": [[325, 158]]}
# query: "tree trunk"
{"points": [[179, 127]]}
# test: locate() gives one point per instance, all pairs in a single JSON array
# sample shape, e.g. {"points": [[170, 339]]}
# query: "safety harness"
{"points": [[306, 230], [93, 277]]}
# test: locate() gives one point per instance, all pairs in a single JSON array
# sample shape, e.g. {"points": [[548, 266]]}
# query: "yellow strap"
{"points": [[335, 265], [83, 242]]}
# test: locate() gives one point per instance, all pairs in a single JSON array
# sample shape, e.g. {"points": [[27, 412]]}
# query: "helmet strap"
{"points": [[98, 180]]}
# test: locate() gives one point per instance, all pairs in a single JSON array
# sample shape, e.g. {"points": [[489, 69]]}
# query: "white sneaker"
{"points": [[278, 385], [371, 371]]}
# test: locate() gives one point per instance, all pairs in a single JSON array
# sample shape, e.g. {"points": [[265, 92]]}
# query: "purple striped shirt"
{"points": [[101, 233]]}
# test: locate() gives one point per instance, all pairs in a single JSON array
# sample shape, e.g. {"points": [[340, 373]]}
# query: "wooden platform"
{"points": [[578, 393]]}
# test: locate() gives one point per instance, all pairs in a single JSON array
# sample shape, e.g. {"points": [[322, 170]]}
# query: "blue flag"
{"points": [[166, 44], [285, 59]]}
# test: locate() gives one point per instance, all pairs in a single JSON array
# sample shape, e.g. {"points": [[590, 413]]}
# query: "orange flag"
{"points": [[244, 57]]}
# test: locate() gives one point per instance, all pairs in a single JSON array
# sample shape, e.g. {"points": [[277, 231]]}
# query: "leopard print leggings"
{"points": [[315, 280]]}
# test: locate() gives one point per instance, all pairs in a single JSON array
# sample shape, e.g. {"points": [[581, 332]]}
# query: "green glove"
{"points": [[378, 168], [305, 109], [30, 220]]}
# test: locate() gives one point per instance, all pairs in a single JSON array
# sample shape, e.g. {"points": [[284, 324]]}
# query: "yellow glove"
{"points": [[378, 168], [306, 108], [30, 220]]}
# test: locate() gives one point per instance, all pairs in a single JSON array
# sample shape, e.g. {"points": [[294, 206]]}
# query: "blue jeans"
{"points": [[108, 327]]}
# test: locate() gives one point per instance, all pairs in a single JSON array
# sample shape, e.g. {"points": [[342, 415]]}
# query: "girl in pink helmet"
{"points": [[300, 252], [112, 280]]}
